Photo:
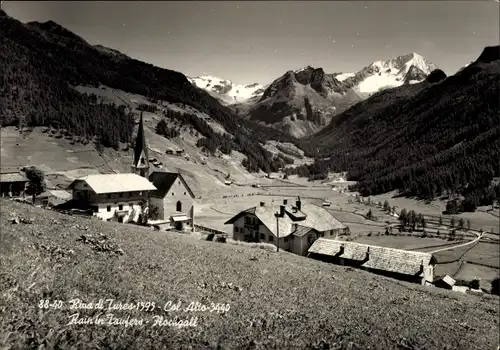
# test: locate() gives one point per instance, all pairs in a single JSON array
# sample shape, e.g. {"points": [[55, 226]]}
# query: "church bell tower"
{"points": [[141, 160]]}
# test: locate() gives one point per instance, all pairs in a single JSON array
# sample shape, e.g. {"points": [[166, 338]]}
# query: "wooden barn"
{"points": [[12, 184]]}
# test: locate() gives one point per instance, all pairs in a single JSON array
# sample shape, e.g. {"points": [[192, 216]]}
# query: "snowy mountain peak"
{"points": [[410, 68], [227, 91], [306, 68], [343, 76]]}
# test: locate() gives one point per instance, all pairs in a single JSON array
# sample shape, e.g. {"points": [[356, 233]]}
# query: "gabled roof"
{"points": [[379, 258], [61, 194], [13, 177], [446, 279], [316, 217], [163, 181], [114, 183], [302, 231]]}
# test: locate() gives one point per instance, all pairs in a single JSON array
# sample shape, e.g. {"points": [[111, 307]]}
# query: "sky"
{"points": [[258, 41]]}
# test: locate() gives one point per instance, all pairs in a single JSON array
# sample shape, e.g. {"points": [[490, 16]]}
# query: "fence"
{"points": [[209, 229]]}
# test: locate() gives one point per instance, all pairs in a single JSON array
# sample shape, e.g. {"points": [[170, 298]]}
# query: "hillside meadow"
{"points": [[290, 302]]}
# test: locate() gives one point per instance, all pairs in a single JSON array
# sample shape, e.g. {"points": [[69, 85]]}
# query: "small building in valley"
{"points": [[173, 199], [112, 197], [404, 265], [446, 282], [13, 184], [294, 228]]}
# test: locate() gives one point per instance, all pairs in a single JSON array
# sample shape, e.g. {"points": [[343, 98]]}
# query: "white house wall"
{"points": [[265, 235], [178, 192]]}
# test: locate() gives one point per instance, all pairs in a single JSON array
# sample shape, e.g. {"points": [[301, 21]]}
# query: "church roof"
{"points": [[163, 181], [140, 145]]}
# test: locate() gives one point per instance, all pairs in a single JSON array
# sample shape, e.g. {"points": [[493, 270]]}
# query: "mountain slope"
{"points": [[421, 139], [226, 91], [44, 63], [304, 101]]}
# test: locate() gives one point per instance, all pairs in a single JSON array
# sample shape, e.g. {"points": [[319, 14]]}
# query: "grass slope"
{"points": [[289, 301]]}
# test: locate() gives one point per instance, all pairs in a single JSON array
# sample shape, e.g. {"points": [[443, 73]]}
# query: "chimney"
{"points": [[282, 211], [285, 201], [262, 204], [298, 203]]}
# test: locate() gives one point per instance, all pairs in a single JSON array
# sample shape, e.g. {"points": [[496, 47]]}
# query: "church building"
{"points": [[172, 202]]}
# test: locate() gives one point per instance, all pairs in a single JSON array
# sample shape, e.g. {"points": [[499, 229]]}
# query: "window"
{"points": [[173, 194], [184, 193], [262, 236], [120, 195], [236, 229], [142, 161], [179, 206], [120, 207], [271, 239], [109, 195], [286, 240], [108, 208]]}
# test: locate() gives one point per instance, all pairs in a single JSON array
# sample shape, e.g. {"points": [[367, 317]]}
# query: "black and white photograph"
{"points": [[319, 175]]}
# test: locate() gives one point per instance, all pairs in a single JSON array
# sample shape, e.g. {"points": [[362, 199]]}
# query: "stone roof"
{"points": [[13, 177], [302, 231], [379, 258]]}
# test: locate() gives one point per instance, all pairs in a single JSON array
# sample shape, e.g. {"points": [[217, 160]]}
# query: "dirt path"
{"points": [[460, 245]]}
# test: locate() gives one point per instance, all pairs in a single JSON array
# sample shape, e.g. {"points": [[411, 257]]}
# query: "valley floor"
{"points": [[289, 301]]}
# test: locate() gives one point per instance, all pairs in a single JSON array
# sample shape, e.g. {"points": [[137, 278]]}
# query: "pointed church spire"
{"points": [[141, 160]]}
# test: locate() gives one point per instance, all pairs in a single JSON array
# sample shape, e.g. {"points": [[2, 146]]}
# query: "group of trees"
{"points": [[146, 108], [411, 219], [163, 130]]}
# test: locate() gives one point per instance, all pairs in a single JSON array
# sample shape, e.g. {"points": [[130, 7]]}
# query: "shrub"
{"points": [[210, 237], [220, 239]]}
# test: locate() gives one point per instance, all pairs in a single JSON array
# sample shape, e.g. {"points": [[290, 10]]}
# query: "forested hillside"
{"points": [[42, 62], [441, 134]]}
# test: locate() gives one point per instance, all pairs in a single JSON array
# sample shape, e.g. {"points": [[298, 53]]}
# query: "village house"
{"points": [[445, 282], [173, 201], [292, 228], [12, 184], [117, 197], [400, 264], [112, 197]]}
